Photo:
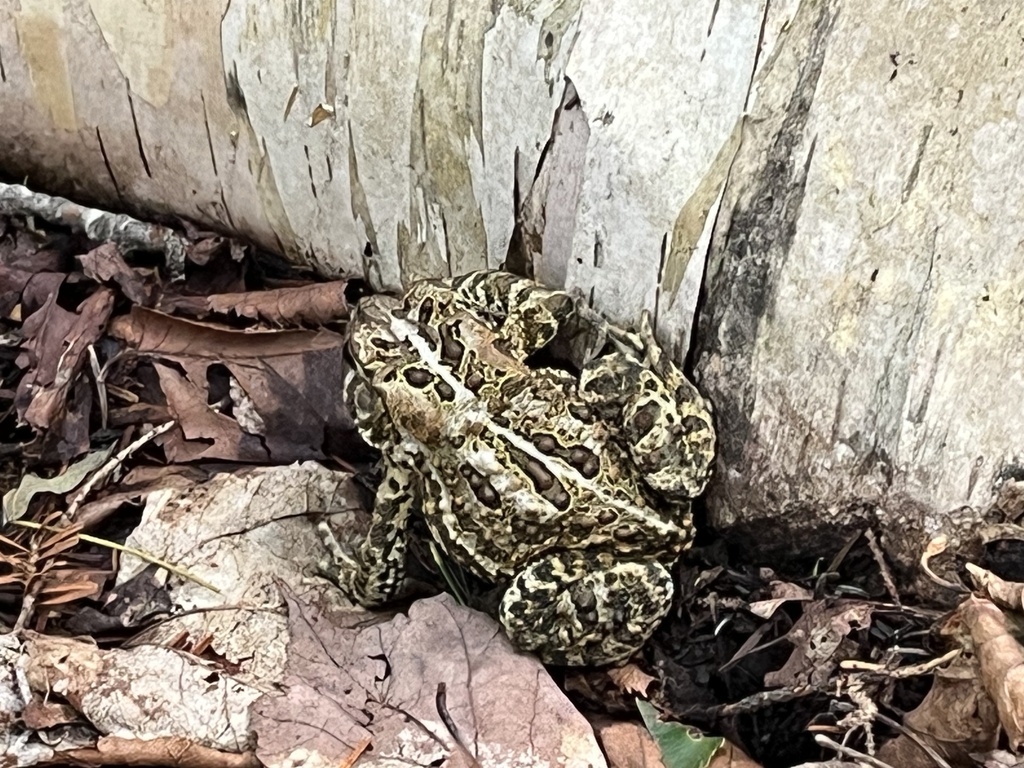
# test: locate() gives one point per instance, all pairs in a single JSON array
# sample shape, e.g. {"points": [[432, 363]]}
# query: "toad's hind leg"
{"points": [[375, 572], [665, 421], [577, 609]]}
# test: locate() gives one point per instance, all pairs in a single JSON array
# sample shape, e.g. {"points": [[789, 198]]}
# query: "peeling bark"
{"points": [[863, 309]]}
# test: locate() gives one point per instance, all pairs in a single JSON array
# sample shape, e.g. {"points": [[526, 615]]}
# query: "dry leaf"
{"points": [[382, 680], [627, 744], [175, 752], [782, 592], [291, 380], [105, 264], [1002, 663], [53, 355], [30, 267], [147, 691], [316, 304], [956, 718], [819, 638], [1005, 594], [631, 679], [39, 714]]}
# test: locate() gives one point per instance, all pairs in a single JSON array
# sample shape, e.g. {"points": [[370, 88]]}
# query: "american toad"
{"points": [[570, 488]]}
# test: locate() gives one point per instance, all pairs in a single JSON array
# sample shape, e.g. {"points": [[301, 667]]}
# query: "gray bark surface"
{"points": [[865, 315]]}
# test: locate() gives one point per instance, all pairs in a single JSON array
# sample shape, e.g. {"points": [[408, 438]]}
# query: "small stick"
{"points": [[441, 702], [356, 752], [860, 757], [101, 226], [28, 604], [911, 670], [101, 385], [115, 461], [876, 550]]}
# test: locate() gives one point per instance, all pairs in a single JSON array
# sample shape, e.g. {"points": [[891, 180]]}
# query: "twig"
{"points": [[911, 670], [880, 560], [861, 714], [101, 226], [824, 741], [28, 603], [356, 753], [763, 699], [910, 734], [111, 465], [441, 703], [101, 385]]}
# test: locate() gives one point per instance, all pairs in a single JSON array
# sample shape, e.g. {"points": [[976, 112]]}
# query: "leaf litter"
{"points": [[111, 331]]}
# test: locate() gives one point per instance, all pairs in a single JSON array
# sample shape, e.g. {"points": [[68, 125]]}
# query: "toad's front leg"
{"points": [[580, 609], [374, 573]]}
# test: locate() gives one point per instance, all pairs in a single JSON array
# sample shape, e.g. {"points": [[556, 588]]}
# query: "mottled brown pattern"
{"points": [[573, 490]]}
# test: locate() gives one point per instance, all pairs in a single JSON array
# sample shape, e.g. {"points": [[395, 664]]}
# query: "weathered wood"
{"points": [[863, 331], [863, 315], [386, 138]]}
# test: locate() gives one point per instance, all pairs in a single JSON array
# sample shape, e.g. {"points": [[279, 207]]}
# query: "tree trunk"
{"points": [[387, 139], [861, 331]]}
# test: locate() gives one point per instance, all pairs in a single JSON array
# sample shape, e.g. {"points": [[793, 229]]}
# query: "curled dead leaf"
{"points": [[955, 719], [316, 304], [53, 355], [1001, 660], [1005, 594], [105, 264], [631, 679]]}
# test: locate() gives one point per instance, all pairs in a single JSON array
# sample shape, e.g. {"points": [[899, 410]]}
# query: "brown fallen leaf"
{"points": [[202, 251], [731, 756], [316, 304], [148, 691], [782, 592], [53, 354], [955, 719], [28, 260], [39, 714], [170, 751], [819, 639], [207, 433], [627, 744], [257, 397], [1005, 594], [1001, 659], [631, 679], [105, 264], [354, 677]]}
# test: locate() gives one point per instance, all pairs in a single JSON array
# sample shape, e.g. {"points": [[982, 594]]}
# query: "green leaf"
{"points": [[16, 501], [681, 746]]}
